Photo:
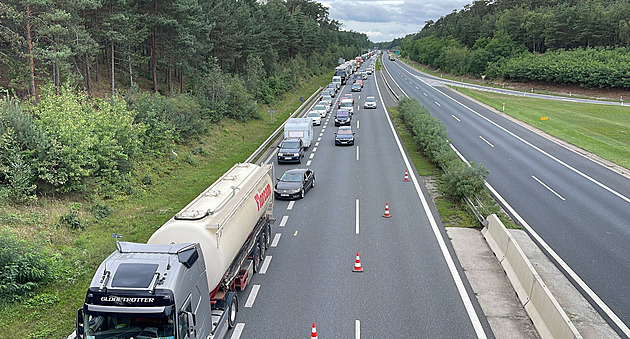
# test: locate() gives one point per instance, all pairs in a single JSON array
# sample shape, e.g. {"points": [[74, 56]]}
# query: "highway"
{"points": [[412, 285], [576, 209]]}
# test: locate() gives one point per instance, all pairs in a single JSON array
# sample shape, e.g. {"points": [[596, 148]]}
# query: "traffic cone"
{"points": [[406, 175], [386, 215], [314, 332], [357, 264]]}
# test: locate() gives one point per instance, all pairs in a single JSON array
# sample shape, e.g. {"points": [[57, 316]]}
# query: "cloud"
{"points": [[385, 20]]}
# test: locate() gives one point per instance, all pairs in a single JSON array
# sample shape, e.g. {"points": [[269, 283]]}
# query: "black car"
{"points": [[291, 150], [294, 183], [342, 117], [356, 87], [344, 136]]}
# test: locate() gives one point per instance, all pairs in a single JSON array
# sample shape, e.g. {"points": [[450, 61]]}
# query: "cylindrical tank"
{"points": [[222, 217]]}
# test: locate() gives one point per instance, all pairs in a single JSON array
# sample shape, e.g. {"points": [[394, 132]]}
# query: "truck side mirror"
{"points": [[79, 324], [278, 146]]}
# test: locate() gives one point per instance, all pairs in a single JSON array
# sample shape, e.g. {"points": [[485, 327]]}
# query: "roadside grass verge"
{"points": [[452, 213], [598, 129], [160, 188]]}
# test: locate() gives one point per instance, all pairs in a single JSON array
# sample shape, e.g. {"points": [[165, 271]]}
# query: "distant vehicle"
{"points": [[294, 183], [357, 76], [345, 96], [370, 102], [344, 136], [356, 87], [360, 82], [330, 92], [364, 75], [348, 105], [342, 117], [322, 109], [299, 128], [317, 119], [337, 81], [370, 71], [291, 149], [326, 98], [328, 107], [333, 86], [392, 56]]}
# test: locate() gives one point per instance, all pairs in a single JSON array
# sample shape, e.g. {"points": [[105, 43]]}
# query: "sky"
{"points": [[386, 20]]}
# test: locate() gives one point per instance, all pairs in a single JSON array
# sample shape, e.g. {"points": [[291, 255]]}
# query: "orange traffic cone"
{"points": [[314, 332], [406, 176], [386, 215], [357, 264]]}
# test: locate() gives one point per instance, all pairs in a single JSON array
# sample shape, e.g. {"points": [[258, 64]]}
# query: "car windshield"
{"points": [[344, 131], [320, 108], [291, 144], [313, 114], [370, 99], [126, 325], [356, 85], [346, 104], [291, 177], [326, 98]]}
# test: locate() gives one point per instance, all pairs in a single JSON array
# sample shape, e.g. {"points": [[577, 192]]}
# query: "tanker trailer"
{"points": [[182, 283]]}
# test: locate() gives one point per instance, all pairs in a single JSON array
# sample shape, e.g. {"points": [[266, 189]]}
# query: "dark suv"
{"points": [[342, 118], [291, 150]]}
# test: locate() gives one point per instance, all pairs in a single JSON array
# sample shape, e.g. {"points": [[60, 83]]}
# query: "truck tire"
{"points": [[267, 236], [257, 259], [261, 245], [233, 309]]}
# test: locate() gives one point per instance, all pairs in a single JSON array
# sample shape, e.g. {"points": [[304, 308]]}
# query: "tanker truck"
{"points": [[183, 282]]}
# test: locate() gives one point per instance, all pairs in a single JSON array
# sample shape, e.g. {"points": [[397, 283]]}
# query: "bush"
{"points": [[459, 180], [72, 219], [22, 268]]}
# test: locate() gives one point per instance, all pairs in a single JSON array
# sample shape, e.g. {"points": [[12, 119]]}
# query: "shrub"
{"points": [[464, 181], [22, 268], [72, 219]]}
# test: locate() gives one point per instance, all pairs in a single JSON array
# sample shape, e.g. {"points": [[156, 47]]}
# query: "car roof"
{"points": [[370, 97], [296, 170]]}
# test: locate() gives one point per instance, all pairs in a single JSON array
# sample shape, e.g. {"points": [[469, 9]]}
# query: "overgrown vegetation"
{"points": [[459, 180]]}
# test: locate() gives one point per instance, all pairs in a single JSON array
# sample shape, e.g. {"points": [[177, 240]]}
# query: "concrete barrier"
{"points": [[546, 314]]}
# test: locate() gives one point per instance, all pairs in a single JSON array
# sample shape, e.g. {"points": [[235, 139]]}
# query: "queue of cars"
{"points": [[295, 182]]}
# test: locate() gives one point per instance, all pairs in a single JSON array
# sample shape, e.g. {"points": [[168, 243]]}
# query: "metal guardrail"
{"points": [[265, 145]]}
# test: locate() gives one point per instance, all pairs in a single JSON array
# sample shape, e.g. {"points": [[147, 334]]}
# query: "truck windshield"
{"points": [[126, 326]]}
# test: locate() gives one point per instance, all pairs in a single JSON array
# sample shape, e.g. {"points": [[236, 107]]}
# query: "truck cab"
{"points": [[152, 291]]}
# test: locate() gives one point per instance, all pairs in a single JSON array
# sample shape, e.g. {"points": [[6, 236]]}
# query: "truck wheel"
{"points": [[267, 236], [257, 259], [261, 245], [233, 309]]}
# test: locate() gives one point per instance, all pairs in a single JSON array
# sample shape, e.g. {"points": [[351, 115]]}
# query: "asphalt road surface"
{"points": [[577, 209], [412, 285]]}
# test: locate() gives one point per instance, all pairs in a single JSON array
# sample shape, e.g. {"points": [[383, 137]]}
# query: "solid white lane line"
{"points": [[549, 188], [356, 227], [290, 206], [265, 265], [357, 153], [311, 156], [252, 296], [456, 118], [357, 329], [238, 330], [276, 239], [283, 222], [308, 163], [437, 103], [487, 142], [459, 283]]}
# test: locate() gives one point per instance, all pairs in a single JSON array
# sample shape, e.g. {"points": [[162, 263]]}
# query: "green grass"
{"points": [[599, 129], [175, 181]]}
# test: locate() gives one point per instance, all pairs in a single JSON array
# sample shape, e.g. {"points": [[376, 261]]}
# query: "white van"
{"points": [[299, 128]]}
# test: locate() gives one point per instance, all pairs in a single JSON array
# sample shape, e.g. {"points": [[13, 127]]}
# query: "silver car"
{"points": [[370, 102]]}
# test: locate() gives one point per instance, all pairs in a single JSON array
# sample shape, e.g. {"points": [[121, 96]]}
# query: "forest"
{"points": [[92, 86], [574, 42]]}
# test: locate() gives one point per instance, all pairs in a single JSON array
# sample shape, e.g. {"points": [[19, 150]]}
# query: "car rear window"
{"points": [[342, 113]]}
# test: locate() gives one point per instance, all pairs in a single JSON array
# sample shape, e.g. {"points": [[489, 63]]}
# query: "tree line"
{"points": [[166, 41], [529, 40]]}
